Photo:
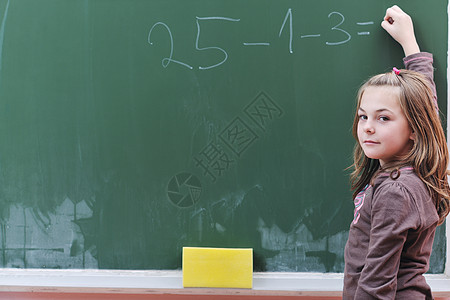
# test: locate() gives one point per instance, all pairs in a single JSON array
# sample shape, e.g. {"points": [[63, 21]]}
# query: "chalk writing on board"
{"points": [[209, 48], [364, 24], [341, 34], [257, 44], [167, 60], [288, 15], [310, 36], [348, 36]]}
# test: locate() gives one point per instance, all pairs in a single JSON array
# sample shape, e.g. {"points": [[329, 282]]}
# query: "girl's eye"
{"points": [[384, 119], [362, 117]]}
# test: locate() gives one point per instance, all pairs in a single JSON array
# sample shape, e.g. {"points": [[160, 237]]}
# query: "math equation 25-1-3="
{"points": [[342, 37]]}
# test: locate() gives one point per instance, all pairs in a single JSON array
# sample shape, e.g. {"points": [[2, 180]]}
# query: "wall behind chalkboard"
{"points": [[129, 129]]}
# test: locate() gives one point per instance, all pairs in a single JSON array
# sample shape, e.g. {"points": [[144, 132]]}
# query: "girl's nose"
{"points": [[368, 127]]}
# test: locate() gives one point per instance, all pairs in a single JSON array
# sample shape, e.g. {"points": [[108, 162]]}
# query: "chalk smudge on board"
{"points": [[2, 33], [29, 240], [298, 251]]}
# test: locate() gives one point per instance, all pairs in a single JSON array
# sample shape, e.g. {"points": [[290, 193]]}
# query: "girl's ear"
{"points": [[412, 136]]}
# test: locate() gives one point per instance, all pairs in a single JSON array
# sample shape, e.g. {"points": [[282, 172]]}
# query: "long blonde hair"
{"points": [[428, 156]]}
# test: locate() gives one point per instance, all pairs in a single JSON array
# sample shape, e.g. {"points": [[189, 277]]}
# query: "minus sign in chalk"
{"points": [[256, 44], [217, 267], [364, 23], [309, 36]]}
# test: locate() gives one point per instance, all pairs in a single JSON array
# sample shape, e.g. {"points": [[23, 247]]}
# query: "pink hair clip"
{"points": [[396, 71]]}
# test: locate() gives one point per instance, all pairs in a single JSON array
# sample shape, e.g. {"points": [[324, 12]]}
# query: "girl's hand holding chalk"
{"points": [[400, 26]]}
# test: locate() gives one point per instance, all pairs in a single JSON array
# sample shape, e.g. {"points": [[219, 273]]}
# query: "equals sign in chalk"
{"points": [[364, 24]]}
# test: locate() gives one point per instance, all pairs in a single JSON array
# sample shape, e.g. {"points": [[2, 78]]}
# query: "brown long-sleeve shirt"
{"points": [[391, 236]]}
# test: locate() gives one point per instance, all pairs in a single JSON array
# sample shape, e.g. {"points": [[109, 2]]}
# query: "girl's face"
{"points": [[383, 130]]}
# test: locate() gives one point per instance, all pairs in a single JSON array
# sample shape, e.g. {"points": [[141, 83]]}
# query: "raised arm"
{"points": [[400, 26]]}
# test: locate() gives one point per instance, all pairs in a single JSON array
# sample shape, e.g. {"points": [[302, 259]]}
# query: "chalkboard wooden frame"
{"points": [[170, 282]]}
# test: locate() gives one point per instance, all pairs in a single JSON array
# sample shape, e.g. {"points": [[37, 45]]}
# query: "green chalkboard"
{"points": [[132, 128]]}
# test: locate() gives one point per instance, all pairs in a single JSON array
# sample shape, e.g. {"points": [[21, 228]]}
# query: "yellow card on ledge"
{"points": [[217, 267]]}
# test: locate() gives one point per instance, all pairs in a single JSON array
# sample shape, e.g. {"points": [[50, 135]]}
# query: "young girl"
{"points": [[399, 180]]}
